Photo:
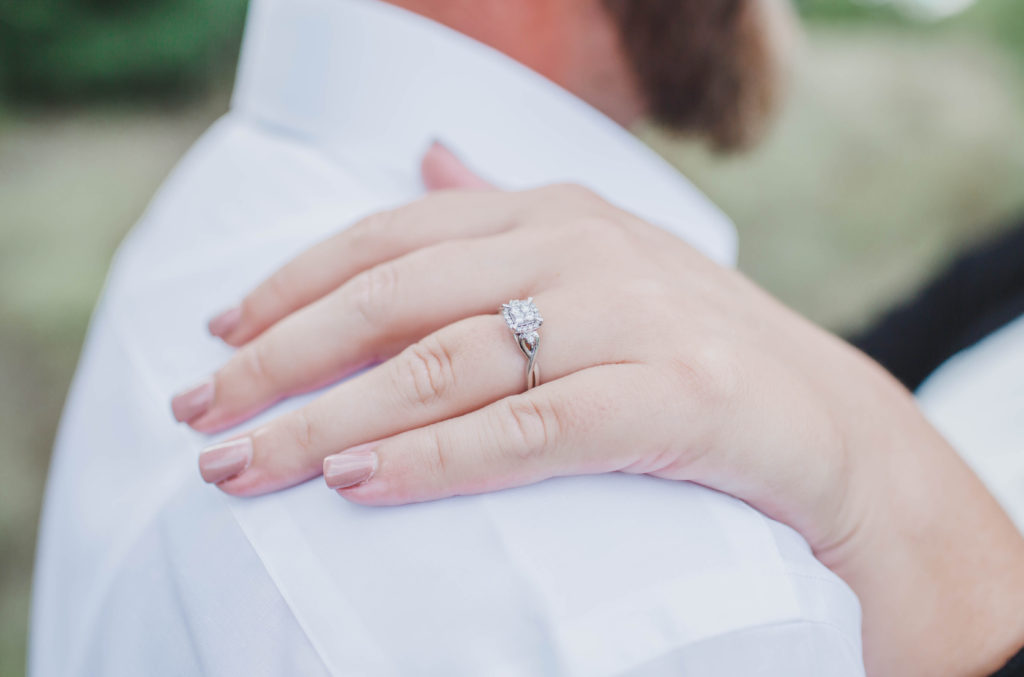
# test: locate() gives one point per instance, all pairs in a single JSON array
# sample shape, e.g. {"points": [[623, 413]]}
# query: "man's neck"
{"points": [[369, 85]]}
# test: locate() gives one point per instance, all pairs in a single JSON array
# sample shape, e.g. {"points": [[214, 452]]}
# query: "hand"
{"points": [[638, 323], [654, 360]]}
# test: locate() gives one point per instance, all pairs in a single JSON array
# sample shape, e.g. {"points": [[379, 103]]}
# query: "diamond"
{"points": [[528, 342], [522, 317]]}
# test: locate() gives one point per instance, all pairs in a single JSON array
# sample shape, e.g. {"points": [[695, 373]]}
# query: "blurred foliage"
{"points": [[63, 51], [1001, 21], [847, 10], [70, 50]]}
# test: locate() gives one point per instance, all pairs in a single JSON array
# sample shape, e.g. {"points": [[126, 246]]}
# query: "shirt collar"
{"points": [[371, 85]]}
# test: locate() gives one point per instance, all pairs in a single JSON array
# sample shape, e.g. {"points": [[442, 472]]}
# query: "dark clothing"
{"points": [[1015, 668], [980, 292]]}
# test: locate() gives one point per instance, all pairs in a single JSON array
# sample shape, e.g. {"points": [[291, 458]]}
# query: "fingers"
{"points": [[441, 170], [369, 318], [574, 425], [381, 237], [459, 369]]}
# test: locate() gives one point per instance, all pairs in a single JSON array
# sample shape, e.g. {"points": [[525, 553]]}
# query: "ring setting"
{"points": [[524, 319]]}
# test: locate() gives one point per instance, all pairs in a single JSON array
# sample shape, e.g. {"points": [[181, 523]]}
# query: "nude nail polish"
{"points": [[225, 460], [349, 468], [224, 324], [194, 402]]}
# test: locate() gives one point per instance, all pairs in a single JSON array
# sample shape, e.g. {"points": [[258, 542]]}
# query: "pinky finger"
{"points": [[442, 170], [574, 425]]}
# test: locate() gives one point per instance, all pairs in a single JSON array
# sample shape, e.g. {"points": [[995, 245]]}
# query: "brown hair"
{"points": [[710, 68]]}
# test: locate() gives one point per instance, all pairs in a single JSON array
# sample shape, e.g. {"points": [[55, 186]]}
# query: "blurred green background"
{"points": [[902, 142]]}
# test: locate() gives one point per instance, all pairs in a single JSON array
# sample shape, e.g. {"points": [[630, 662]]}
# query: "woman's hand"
{"points": [[654, 360]]}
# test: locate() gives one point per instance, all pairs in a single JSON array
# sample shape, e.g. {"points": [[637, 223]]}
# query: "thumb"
{"points": [[441, 169]]}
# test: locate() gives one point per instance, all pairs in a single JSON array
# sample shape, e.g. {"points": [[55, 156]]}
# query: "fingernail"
{"points": [[193, 403], [225, 460], [349, 468], [224, 323]]}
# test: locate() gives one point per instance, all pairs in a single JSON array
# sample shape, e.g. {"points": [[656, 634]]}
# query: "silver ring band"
{"points": [[523, 318]]}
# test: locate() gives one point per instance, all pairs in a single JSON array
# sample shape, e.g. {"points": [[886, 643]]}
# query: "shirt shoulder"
{"points": [[599, 575]]}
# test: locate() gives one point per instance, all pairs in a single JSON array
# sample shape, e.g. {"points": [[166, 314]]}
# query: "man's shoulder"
{"points": [[600, 571]]}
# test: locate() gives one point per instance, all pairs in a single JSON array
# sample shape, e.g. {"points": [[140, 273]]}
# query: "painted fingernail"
{"points": [[225, 460], [194, 402], [349, 468], [223, 324]]}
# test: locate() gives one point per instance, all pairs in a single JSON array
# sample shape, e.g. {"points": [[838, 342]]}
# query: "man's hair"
{"points": [[709, 68]]}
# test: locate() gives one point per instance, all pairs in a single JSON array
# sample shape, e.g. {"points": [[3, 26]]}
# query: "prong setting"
{"points": [[522, 317]]}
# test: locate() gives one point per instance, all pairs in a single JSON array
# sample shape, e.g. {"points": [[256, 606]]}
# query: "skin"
{"points": [[700, 376]]}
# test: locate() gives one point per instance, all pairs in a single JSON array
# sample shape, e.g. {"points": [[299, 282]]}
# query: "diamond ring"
{"points": [[523, 318]]}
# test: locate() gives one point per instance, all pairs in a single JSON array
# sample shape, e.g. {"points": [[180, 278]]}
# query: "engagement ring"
{"points": [[523, 318]]}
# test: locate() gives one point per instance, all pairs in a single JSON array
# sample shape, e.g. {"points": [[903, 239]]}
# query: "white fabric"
{"points": [[976, 400], [143, 570]]}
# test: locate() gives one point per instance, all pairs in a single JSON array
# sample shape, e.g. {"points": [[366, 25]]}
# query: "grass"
{"points": [[900, 145], [894, 152], [71, 184]]}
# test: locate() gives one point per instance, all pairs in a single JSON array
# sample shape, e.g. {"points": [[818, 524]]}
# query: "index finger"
{"points": [[380, 237]]}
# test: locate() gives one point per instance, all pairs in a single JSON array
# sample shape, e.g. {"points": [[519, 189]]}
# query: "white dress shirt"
{"points": [[976, 400], [144, 570]]}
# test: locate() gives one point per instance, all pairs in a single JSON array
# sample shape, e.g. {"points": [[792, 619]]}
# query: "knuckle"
{"points": [[527, 427], [566, 198], [278, 286], [442, 199], [272, 293], [649, 296], [426, 371], [575, 194], [366, 231], [372, 291], [593, 228], [303, 432], [435, 453], [711, 376], [254, 363], [377, 234], [599, 234]]}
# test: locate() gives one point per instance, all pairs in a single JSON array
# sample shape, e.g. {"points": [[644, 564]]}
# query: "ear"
{"points": [[441, 170]]}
